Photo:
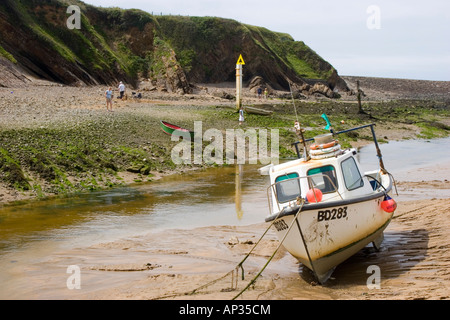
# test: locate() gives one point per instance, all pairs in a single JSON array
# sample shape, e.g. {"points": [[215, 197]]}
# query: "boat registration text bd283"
{"points": [[322, 215], [335, 213]]}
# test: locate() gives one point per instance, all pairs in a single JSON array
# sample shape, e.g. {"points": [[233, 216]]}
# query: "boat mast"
{"points": [[380, 157], [298, 129]]}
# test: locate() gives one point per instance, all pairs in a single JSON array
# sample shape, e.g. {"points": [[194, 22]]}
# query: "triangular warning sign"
{"points": [[240, 60]]}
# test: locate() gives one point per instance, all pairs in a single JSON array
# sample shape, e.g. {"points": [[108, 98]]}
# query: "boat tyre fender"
{"points": [[325, 151], [331, 144], [326, 155]]}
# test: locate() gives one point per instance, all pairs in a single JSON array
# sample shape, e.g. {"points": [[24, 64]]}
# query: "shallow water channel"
{"points": [[232, 195]]}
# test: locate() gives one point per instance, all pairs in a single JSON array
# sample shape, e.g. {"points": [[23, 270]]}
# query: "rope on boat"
{"points": [[235, 270], [273, 255], [395, 183]]}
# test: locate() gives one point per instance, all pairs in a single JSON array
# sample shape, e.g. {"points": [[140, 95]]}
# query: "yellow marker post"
{"points": [[240, 60], [239, 76]]}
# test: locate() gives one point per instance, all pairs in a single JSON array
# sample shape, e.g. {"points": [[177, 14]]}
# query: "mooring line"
{"points": [[234, 279], [273, 255]]}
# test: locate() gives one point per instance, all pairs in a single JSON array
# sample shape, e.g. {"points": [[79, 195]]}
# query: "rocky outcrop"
{"points": [[322, 89], [258, 82], [337, 83], [11, 75], [174, 79]]}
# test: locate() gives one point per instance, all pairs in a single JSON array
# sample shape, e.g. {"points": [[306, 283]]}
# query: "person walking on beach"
{"points": [[109, 96], [121, 90], [241, 116]]}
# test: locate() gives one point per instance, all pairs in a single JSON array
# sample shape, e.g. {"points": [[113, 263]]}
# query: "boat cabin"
{"points": [[336, 208], [338, 176]]}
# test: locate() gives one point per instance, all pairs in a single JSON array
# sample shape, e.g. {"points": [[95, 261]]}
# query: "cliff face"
{"points": [[35, 34], [114, 44]]}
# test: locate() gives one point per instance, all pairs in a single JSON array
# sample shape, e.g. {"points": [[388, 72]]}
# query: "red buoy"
{"points": [[389, 205], [314, 195]]}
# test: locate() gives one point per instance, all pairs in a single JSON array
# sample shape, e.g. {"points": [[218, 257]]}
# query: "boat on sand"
{"points": [[324, 208]]}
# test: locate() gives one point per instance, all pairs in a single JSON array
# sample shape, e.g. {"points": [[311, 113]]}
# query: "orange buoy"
{"points": [[316, 146], [314, 195], [388, 204]]}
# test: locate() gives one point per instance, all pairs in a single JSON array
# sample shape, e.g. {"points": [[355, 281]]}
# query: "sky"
{"points": [[408, 39]]}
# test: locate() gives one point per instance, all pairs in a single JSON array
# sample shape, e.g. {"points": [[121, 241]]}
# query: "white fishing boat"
{"points": [[323, 208]]}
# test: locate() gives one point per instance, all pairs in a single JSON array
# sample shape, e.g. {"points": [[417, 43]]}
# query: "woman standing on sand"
{"points": [[109, 96]]}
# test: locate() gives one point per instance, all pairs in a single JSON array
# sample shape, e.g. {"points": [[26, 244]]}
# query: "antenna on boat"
{"points": [[298, 129]]}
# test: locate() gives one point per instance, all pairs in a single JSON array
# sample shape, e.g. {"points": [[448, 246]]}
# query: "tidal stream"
{"points": [[230, 195]]}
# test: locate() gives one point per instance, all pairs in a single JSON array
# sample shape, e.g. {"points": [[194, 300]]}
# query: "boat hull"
{"points": [[261, 112], [323, 238], [169, 129]]}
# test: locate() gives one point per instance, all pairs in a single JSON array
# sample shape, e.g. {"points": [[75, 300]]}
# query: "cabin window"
{"points": [[352, 177], [287, 187], [323, 178]]}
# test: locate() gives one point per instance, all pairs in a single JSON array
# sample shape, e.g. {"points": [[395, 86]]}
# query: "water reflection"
{"points": [[238, 196], [229, 195]]}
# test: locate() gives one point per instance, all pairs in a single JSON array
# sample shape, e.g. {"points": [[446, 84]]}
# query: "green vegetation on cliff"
{"points": [[114, 44], [7, 55], [208, 48]]}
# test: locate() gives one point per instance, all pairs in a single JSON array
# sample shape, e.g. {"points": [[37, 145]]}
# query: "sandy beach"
{"points": [[200, 263]]}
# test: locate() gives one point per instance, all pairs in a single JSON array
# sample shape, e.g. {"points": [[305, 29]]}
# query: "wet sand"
{"points": [[198, 264]]}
